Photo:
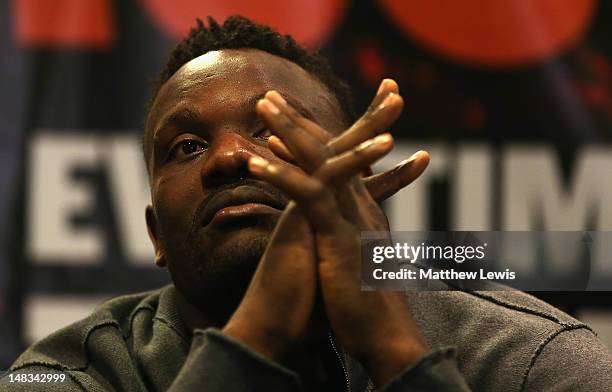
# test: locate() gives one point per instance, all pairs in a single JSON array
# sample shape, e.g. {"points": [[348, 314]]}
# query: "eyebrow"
{"points": [[183, 116], [186, 116]]}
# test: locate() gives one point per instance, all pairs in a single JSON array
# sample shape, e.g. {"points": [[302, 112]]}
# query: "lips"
{"points": [[245, 196]]}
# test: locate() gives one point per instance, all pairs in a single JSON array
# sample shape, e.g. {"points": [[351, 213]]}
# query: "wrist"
{"points": [[263, 343]]}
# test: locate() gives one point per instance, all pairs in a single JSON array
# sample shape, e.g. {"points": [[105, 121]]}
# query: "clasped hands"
{"points": [[315, 248]]}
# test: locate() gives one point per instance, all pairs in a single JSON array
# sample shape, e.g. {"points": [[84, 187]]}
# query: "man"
{"points": [[258, 200]]}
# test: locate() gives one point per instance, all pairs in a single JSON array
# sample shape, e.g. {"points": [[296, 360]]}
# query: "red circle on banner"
{"points": [[310, 22], [492, 33]]}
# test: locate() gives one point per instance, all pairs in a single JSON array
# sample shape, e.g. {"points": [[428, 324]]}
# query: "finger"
{"points": [[344, 142], [385, 87], [276, 145], [292, 228], [279, 149], [311, 195], [384, 185], [309, 153], [374, 121], [340, 169], [309, 126]]}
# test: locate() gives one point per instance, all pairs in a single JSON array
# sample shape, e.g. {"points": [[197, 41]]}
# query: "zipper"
{"points": [[347, 380]]}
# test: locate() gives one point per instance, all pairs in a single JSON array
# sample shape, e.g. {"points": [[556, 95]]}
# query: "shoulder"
{"points": [[498, 335], [573, 360], [488, 314], [66, 349]]}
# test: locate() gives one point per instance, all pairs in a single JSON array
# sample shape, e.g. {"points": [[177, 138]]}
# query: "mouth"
{"points": [[240, 202]]}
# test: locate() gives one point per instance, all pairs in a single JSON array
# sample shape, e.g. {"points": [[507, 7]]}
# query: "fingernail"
{"points": [[271, 107], [276, 97], [386, 101], [385, 138], [381, 87], [379, 140], [363, 145], [257, 163], [385, 82], [412, 158]]}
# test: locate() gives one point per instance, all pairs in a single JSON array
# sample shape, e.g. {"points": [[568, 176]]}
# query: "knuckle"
{"points": [[323, 156], [294, 113], [359, 152], [366, 125], [368, 117], [314, 190], [372, 112], [286, 123], [319, 157], [327, 151]]}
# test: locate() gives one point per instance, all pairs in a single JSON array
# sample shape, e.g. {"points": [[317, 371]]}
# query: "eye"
{"points": [[186, 148], [263, 134]]}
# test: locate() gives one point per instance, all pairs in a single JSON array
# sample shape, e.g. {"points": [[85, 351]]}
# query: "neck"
{"points": [[195, 318]]}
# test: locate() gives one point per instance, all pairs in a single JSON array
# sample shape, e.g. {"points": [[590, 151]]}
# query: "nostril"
{"points": [[226, 167], [219, 177]]}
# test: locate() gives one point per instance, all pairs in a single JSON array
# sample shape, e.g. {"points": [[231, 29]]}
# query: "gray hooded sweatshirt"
{"points": [[481, 341]]}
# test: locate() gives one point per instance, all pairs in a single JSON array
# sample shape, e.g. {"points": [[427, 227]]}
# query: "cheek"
{"points": [[175, 199]]}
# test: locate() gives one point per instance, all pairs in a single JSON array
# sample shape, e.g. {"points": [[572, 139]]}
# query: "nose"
{"points": [[227, 160]]}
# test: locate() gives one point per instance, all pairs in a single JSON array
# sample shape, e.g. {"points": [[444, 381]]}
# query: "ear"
{"points": [[160, 258]]}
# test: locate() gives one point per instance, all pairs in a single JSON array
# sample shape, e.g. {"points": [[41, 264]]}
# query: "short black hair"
{"points": [[238, 32]]}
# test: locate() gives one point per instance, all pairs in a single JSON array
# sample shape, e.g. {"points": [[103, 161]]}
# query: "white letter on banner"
{"points": [[54, 197]]}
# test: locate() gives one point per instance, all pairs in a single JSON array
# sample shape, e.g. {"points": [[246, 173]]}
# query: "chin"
{"points": [[237, 240], [237, 247], [221, 267]]}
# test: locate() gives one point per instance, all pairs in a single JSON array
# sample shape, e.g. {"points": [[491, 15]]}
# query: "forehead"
{"points": [[231, 76], [240, 68]]}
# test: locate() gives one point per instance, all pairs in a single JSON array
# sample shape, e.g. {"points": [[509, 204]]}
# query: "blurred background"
{"points": [[513, 99]]}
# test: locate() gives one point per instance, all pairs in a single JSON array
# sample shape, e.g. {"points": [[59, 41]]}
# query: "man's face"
{"points": [[210, 220]]}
